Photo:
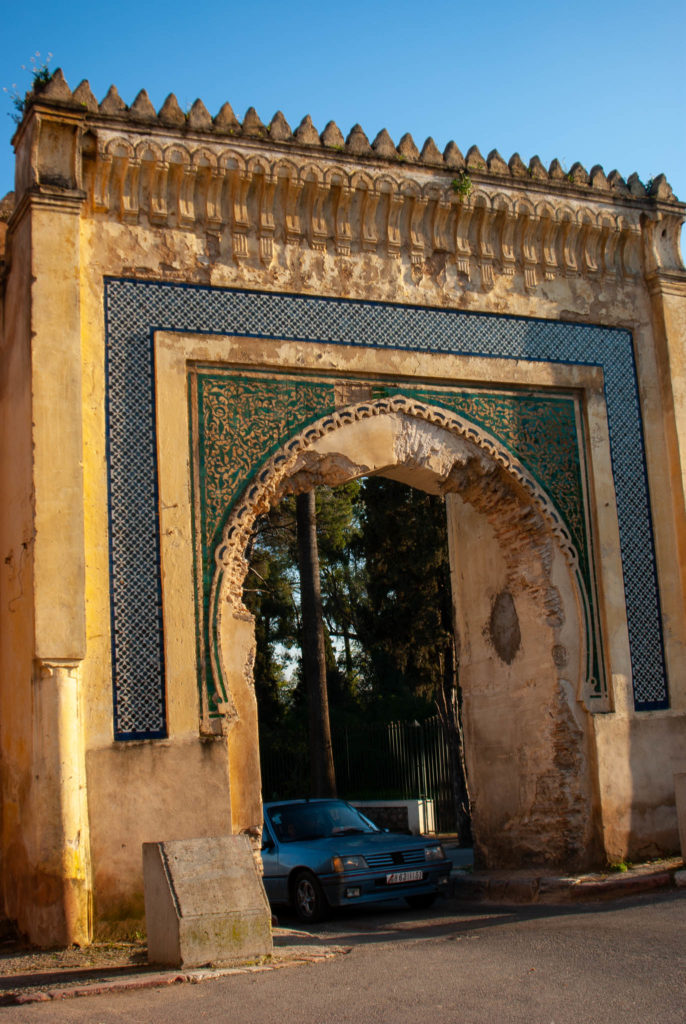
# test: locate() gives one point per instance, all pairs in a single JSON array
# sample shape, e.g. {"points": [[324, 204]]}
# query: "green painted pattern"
{"points": [[242, 421], [540, 432]]}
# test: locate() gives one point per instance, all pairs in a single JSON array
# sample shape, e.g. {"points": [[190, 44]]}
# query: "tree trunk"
{"points": [[453, 719], [450, 712], [313, 652]]}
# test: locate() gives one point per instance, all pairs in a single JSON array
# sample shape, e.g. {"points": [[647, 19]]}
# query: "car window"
{"points": [[317, 820]]}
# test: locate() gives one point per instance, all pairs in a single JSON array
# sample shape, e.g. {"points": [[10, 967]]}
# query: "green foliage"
{"points": [[386, 598], [40, 76], [462, 185], [406, 620]]}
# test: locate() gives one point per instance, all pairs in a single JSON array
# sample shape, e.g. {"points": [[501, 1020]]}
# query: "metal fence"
{"points": [[386, 761]]}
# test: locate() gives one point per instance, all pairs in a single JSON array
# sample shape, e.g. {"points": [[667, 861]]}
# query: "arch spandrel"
{"points": [[428, 446]]}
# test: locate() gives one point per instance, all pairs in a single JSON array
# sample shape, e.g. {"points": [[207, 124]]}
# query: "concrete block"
{"points": [[415, 816], [680, 796], [204, 902]]}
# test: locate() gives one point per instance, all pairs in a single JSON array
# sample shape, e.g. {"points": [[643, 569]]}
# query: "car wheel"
{"points": [[308, 898], [422, 902]]}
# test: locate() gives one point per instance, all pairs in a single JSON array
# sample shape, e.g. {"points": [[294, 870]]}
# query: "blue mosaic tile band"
{"points": [[135, 309]]}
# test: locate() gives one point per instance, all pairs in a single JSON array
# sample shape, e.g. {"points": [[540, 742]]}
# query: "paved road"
{"points": [[618, 963]]}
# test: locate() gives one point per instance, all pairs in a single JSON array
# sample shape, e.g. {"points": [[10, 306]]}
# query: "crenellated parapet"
{"points": [[255, 187]]}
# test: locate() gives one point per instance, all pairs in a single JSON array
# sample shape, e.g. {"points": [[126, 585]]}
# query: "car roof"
{"points": [[305, 800]]}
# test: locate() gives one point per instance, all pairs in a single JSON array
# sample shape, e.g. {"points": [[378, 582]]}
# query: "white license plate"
{"points": [[395, 877]]}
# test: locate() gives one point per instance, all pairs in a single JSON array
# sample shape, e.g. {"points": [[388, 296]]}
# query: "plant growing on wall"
{"points": [[40, 76], [462, 185]]}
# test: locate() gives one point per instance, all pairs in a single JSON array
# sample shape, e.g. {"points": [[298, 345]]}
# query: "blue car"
{"points": [[319, 854]]}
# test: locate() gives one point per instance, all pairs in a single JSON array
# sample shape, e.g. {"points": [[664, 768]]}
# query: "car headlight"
{"points": [[348, 863], [434, 852]]}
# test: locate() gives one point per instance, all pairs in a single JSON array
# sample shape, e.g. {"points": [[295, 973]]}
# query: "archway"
{"points": [[519, 610]]}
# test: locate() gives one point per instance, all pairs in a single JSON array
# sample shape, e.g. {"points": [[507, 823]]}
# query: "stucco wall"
{"points": [[16, 579]]}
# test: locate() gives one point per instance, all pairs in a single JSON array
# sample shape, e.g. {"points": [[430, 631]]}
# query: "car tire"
{"points": [[422, 902], [308, 898]]}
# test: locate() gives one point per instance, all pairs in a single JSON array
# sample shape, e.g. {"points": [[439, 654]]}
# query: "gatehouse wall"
{"points": [[199, 314]]}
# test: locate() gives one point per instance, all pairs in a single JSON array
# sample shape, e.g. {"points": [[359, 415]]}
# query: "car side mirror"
{"points": [[267, 843]]}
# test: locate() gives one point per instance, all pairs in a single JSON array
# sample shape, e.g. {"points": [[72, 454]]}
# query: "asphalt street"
{"points": [[613, 963]]}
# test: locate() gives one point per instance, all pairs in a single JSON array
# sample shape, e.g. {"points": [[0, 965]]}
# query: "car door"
{"points": [[275, 877]]}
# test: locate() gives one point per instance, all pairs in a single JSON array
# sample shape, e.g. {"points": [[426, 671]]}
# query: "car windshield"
{"points": [[318, 820]]}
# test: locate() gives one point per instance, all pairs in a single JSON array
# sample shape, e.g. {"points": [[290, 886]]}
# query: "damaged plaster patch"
{"points": [[503, 627]]}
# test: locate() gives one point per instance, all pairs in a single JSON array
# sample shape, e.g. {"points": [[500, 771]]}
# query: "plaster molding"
{"points": [[260, 200], [56, 668]]}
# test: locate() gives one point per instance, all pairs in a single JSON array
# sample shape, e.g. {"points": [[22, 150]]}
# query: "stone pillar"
{"points": [[54, 878], [666, 282], [59, 847]]}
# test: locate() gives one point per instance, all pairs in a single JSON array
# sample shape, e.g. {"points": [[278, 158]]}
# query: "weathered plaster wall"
{"points": [[16, 579], [529, 760], [176, 788]]}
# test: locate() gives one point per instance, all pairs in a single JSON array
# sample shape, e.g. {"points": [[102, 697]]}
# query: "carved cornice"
{"points": [[258, 186], [256, 199]]}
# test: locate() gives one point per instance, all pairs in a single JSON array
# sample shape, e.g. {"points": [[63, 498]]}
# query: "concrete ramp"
{"points": [[204, 902]]}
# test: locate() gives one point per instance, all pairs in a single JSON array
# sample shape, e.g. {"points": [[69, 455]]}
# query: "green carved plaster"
{"points": [[240, 419]]}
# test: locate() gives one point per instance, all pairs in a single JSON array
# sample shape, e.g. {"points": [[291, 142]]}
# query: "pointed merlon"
{"points": [[496, 164], [636, 186], [306, 133], [142, 109], [407, 148], [112, 103], [518, 168], [617, 183], [453, 157], [537, 170], [474, 159], [661, 189], [84, 97], [226, 120], [383, 145], [332, 136], [252, 124], [199, 117], [578, 174], [598, 179], [431, 154], [171, 113], [279, 128], [556, 171], [357, 142], [56, 88]]}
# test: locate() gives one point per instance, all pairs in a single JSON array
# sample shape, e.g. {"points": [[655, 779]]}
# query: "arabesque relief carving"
{"points": [[484, 473]]}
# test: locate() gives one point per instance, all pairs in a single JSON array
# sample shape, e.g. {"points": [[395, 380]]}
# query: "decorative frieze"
{"points": [[262, 200], [262, 186]]}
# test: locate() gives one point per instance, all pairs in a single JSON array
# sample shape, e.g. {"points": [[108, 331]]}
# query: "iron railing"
{"points": [[384, 761]]}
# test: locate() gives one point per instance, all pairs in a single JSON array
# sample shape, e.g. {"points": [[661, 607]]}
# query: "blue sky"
{"points": [[577, 81]]}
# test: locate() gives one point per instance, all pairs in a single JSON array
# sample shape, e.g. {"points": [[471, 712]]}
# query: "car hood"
{"points": [[315, 852]]}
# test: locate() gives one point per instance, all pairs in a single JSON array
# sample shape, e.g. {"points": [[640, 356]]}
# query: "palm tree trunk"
{"points": [[314, 658]]}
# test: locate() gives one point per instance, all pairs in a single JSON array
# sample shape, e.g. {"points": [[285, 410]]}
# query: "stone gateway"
{"points": [[200, 316]]}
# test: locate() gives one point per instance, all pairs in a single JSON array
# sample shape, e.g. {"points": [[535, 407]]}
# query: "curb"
{"points": [[526, 889], [164, 978]]}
